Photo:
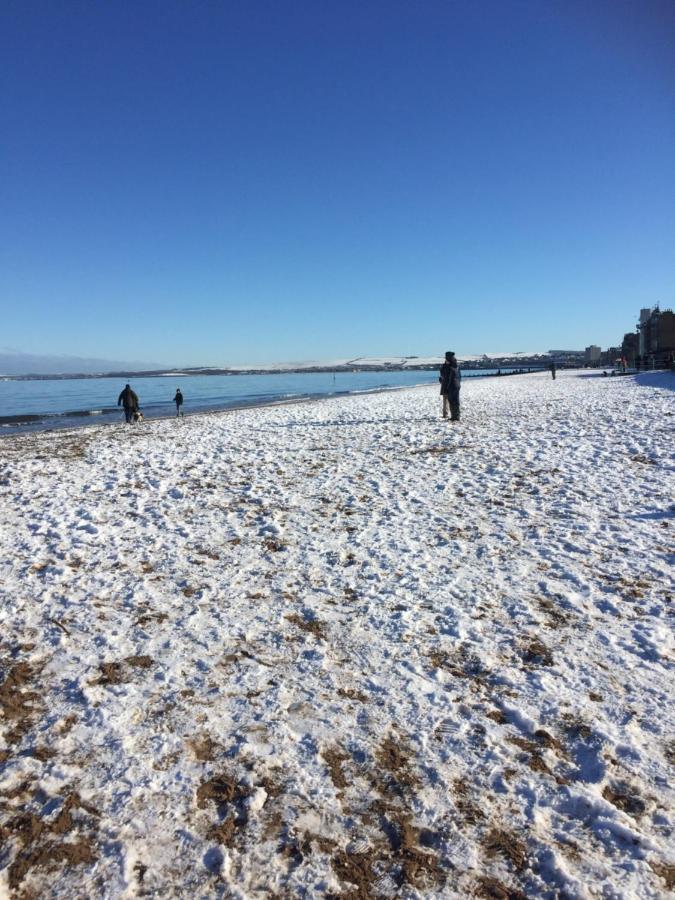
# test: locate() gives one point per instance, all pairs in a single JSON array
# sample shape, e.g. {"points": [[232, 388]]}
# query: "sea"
{"points": [[40, 404]]}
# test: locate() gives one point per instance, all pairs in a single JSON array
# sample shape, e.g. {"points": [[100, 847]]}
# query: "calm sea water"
{"points": [[30, 405]]}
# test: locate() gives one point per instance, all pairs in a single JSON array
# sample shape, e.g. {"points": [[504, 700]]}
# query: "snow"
{"points": [[344, 648], [382, 361], [289, 366]]}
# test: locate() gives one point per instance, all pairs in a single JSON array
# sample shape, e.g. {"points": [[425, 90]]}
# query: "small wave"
{"points": [[76, 413], [380, 388], [21, 419], [31, 418]]}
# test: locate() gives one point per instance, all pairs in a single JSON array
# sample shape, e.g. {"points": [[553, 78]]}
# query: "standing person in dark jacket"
{"points": [[552, 367], [129, 400], [178, 400], [451, 380]]}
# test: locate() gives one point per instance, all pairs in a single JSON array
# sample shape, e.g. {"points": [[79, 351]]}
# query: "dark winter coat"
{"points": [[178, 399], [128, 399], [450, 379]]}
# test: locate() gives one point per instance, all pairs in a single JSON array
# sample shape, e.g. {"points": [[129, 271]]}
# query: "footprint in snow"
{"points": [[88, 527], [213, 860], [448, 727], [586, 751]]}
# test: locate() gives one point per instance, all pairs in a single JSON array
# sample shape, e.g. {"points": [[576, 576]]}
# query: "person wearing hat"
{"points": [[178, 400], [129, 400], [451, 380]]}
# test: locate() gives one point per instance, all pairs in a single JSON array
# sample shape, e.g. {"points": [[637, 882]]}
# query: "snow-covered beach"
{"points": [[344, 648]]}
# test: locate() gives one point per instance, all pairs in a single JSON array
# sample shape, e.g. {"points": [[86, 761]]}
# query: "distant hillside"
{"points": [[14, 363], [27, 365]]}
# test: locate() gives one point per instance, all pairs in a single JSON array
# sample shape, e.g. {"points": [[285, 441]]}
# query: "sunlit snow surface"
{"points": [[344, 648]]}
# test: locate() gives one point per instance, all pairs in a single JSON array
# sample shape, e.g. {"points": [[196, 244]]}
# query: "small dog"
{"points": [[138, 415]]}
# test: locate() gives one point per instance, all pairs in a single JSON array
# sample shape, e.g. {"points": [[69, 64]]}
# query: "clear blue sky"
{"points": [[231, 182]]}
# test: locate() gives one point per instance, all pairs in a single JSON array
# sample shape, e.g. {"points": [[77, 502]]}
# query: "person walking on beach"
{"points": [[129, 400], [178, 400], [552, 368], [451, 380]]}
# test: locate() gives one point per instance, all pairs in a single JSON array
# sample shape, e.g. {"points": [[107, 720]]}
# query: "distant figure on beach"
{"points": [[552, 368], [451, 380], [129, 400], [178, 400]]}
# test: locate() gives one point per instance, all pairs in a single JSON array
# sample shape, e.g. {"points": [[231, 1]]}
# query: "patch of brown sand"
{"points": [[624, 798], [141, 662], [395, 758], [334, 757], [665, 871], [17, 704], [494, 889], [49, 856], [502, 842], [311, 626], [221, 790], [203, 747]]}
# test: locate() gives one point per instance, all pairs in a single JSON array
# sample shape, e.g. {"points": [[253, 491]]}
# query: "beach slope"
{"points": [[344, 648]]}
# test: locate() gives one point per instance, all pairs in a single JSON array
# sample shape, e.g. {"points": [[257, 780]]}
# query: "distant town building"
{"points": [[629, 347], [592, 354], [656, 332], [611, 356], [645, 313], [567, 357]]}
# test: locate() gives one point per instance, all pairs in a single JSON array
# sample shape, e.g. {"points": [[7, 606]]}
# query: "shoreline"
{"points": [[200, 413], [39, 423]]}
